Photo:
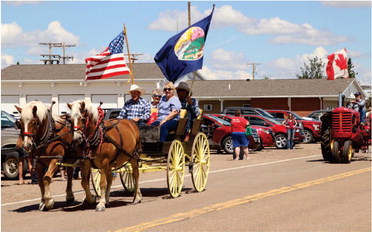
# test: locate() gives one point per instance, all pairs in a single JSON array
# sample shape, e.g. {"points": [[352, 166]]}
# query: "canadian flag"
{"points": [[337, 65]]}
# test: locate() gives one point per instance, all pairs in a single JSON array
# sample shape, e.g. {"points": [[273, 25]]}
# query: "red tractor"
{"points": [[342, 134]]}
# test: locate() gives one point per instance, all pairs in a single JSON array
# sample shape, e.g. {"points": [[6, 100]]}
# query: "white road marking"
{"points": [[163, 179]]}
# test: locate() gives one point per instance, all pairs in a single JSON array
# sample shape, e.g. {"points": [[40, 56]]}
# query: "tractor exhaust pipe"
{"points": [[341, 99]]}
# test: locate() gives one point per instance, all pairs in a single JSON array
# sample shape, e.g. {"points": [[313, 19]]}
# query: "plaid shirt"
{"points": [[132, 109]]}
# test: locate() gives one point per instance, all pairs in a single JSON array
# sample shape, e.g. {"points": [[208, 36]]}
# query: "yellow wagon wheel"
{"points": [[96, 179], [200, 154], [126, 177], [175, 168]]}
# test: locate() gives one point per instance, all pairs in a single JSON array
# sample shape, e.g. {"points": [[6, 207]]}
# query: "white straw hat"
{"points": [[135, 87]]}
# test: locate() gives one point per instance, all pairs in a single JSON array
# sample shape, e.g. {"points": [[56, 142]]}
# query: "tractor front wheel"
{"points": [[347, 152], [335, 146]]}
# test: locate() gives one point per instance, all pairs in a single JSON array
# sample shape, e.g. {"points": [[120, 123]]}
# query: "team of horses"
{"points": [[83, 138]]}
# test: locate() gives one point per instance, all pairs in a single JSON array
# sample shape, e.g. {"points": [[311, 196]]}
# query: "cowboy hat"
{"points": [[184, 86], [135, 87]]}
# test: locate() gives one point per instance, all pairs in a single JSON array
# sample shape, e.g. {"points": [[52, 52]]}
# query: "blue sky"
{"points": [[279, 35]]}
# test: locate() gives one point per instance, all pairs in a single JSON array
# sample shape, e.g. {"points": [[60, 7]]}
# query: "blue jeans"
{"points": [[165, 128], [290, 138]]}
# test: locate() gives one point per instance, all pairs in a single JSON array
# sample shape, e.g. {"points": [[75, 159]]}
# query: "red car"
{"points": [[218, 132], [266, 133], [311, 128], [280, 131]]}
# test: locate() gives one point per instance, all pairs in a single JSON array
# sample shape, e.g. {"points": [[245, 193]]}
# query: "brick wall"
{"points": [[270, 103]]}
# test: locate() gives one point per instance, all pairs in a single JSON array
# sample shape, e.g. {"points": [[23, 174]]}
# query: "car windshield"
{"points": [[219, 120], [264, 113], [272, 120], [7, 120]]}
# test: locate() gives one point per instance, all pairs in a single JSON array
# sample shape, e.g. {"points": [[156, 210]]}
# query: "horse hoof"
{"points": [[100, 209], [70, 199], [42, 206], [49, 204]]}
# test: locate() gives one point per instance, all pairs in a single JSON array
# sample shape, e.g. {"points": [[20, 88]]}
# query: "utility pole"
{"points": [[254, 68], [64, 46], [50, 58]]}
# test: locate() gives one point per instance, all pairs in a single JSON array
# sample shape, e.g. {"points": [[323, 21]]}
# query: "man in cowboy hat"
{"points": [[188, 103], [136, 108]]}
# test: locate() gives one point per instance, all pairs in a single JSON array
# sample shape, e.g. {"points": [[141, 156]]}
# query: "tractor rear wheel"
{"points": [[325, 146], [347, 152], [335, 146]]}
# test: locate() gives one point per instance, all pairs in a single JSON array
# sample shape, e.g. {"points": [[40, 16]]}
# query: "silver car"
{"points": [[9, 154]]}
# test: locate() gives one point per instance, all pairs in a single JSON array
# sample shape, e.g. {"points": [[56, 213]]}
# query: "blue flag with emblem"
{"points": [[183, 53]]}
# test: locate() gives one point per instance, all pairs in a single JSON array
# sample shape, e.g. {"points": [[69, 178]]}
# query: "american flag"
{"points": [[109, 63]]}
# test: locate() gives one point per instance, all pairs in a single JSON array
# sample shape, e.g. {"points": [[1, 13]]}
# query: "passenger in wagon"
{"points": [[168, 115], [136, 108], [156, 95], [188, 103]]}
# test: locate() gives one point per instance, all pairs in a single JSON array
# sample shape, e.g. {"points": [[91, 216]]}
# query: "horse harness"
{"points": [[99, 135]]}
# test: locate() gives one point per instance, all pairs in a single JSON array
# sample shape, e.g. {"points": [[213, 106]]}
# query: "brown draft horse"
{"points": [[47, 137], [118, 143]]}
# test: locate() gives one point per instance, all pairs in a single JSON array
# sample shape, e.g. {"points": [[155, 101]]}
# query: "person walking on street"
{"points": [[238, 127], [290, 123]]}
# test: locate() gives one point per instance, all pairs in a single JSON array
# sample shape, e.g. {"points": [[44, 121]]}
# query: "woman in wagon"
{"points": [[168, 114], [136, 108], [156, 95]]}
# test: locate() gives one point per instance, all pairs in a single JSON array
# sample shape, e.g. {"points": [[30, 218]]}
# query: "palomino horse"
{"points": [[48, 139], [109, 144]]}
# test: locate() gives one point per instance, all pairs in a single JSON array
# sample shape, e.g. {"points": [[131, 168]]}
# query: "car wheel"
{"points": [[259, 146], [10, 166], [280, 141], [227, 145], [308, 136]]}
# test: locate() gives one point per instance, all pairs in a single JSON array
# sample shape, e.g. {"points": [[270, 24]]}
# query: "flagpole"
{"points": [[129, 59]]}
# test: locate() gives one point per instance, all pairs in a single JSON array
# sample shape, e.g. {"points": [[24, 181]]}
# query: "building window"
{"points": [[208, 107]]}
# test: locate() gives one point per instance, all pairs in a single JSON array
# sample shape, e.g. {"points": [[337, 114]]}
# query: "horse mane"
{"points": [[91, 109], [41, 113]]}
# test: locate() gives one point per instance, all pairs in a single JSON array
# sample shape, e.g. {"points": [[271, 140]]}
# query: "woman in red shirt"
{"points": [[238, 126], [290, 123]]}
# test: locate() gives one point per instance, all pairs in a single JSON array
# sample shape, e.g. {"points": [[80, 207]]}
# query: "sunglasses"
{"points": [[167, 89], [156, 96]]}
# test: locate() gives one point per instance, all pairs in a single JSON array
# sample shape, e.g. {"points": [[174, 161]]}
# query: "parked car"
{"points": [[267, 136], [218, 132], [311, 128], [316, 115], [279, 130], [9, 154], [248, 111]]}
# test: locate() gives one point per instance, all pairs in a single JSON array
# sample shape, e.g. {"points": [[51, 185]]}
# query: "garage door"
{"points": [[64, 99], [109, 100], [8, 102], [46, 99]]}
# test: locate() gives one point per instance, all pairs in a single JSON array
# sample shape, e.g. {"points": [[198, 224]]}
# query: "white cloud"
{"points": [[282, 31], [6, 60], [224, 74], [12, 35]]}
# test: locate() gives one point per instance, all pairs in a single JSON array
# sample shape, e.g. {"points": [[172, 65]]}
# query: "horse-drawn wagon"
{"points": [[101, 147]]}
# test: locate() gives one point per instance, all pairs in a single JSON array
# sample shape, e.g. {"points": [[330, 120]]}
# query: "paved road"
{"points": [[277, 190]]}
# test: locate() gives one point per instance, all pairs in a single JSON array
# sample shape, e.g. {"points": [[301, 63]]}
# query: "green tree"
{"points": [[350, 69], [312, 70]]}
